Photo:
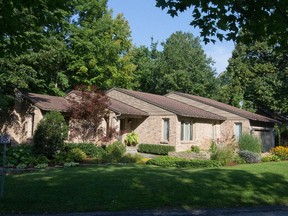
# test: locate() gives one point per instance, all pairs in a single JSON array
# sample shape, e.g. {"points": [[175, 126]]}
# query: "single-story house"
{"points": [[237, 121], [177, 119]]}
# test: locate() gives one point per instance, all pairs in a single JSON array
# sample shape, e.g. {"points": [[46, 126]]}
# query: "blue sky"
{"points": [[146, 21]]}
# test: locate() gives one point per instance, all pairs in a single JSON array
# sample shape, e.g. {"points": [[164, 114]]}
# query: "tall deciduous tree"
{"points": [[147, 67], [224, 19], [31, 46], [181, 66], [100, 47], [257, 76], [185, 66]]}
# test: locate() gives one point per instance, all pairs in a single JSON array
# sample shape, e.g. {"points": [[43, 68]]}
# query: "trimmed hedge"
{"points": [[155, 149], [167, 161]]}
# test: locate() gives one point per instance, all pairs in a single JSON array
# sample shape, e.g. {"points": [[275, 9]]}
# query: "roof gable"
{"points": [[119, 107], [171, 105], [226, 107]]}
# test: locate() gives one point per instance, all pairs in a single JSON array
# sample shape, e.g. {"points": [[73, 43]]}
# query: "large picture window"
{"points": [[165, 130], [186, 131]]}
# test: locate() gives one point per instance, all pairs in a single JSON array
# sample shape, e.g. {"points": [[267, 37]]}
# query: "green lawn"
{"points": [[128, 187]]}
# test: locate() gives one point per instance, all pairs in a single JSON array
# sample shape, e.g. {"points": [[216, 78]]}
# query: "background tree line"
{"points": [[51, 47]]}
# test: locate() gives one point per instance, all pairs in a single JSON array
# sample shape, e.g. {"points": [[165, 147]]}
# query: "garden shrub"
{"points": [[90, 149], [250, 157], [167, 161], [195, 149], [223, 155], [155, 149], [22, 156], [50, 134], [77, 155], [250, 143], [114, 152], [270, 157], [132, 158], [131, 139], [281, 152]]}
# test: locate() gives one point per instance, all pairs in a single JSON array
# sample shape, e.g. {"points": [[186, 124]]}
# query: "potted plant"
{"points": [[131, 139]]}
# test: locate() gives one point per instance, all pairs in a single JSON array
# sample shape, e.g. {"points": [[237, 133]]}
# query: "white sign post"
{"points": [[5, 139]]}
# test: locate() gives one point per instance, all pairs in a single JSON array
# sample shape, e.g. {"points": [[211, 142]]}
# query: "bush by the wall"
{"points": [[195, 149], [167, 161], [77, 155], [250, 157], [155, 149], [114, 152], [90, 149], [250, 143], [223, 155], [281, 152], [50, 134]]}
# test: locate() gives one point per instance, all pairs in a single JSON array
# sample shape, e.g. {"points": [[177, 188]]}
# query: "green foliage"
{"points": [[22, 156], [181, 66], [114, 152], [100, 47], [225, 19], [270, 157], [250, 157], [132, 158], [155, 149], [256, 75], [131, 139], [77, 155], [195, 149], [281, 152], [90, 149], [50, 134], [250, 143], [223, 155], [167, 161]]}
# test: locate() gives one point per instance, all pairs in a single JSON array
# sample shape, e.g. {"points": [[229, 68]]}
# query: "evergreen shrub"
{"points": [[155, 149], [50, 134]]}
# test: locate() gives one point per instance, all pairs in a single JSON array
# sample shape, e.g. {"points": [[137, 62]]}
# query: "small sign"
{"points": [[5, 139]]}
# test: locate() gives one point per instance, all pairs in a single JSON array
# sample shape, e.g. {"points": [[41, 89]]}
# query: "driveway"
{"points": [[251, 211]]}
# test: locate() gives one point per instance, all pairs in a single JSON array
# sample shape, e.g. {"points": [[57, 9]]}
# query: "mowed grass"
{"points": [[131, 187]]}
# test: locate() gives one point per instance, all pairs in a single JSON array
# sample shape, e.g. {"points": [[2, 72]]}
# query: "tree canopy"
{"points": [[50, 47], [181, 66], [224, 19], [257, 76]]}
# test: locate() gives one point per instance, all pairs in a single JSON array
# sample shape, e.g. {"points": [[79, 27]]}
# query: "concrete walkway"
{"points": [[249, 211]]}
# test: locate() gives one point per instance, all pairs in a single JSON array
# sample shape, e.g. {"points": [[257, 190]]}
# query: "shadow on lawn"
{"points": [[140, 187]]}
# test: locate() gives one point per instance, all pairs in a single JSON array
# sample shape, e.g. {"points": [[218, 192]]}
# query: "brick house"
{"points": [[177, 119], [237, 121]]}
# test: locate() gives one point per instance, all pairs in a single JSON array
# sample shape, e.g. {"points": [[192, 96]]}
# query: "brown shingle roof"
{"points": [[48, 103], [172, 105], [226, 107], [119, 107]]}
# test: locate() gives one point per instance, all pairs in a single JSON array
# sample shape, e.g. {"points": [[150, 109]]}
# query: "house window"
{"points": [[186, 131], [165, 130], [238, 131]]}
